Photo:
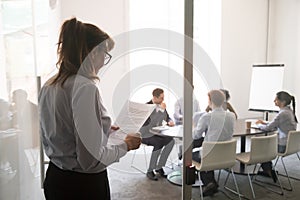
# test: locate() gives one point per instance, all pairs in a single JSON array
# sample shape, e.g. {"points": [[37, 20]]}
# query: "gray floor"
{"points": [[127, 183]]}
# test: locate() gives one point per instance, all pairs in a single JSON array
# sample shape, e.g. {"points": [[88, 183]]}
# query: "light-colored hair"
{"points": [[217, 97]]}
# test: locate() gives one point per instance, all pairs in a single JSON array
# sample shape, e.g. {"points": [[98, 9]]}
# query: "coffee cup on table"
{"points": [[248, 124]]}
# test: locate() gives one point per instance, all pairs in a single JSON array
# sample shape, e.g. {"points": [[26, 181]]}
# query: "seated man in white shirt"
{"points": [[217, 125], [178, 114]]}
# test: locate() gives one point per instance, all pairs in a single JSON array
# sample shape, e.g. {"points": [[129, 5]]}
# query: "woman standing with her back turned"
{"points": [[74, 124], [284, 122]]}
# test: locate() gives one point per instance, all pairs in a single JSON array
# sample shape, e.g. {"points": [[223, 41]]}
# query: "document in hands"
{"points": [[131, 118]]}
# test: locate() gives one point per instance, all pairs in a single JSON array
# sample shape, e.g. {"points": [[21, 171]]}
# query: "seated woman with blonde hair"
{"points": [[226, 104]]}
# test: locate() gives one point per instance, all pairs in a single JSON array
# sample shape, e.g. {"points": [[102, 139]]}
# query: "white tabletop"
{"points": [[175, 131]]}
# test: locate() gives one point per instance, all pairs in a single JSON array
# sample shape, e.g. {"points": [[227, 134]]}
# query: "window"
{"points": [[169, 15]]}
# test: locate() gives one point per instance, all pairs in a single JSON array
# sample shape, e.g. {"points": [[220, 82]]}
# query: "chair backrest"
{"points": [[263, 148], [218, 155], [293, 143]]}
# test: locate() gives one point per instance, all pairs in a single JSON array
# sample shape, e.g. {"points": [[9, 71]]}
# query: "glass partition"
{"points": [[24, 55]]}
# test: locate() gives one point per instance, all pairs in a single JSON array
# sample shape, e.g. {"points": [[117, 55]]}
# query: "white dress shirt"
{"points": [[74, 126], [283, 122], [217, 125]]}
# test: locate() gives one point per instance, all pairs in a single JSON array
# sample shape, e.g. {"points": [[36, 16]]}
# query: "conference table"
{"points": [[240, 131]]}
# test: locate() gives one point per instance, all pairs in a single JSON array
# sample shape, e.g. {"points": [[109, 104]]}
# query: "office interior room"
{"points": [[234, 34]]}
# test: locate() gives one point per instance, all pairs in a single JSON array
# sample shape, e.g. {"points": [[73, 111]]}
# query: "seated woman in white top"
{"points": [[284, 122]]}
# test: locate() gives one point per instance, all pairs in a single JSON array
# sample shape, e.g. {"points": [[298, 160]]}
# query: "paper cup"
{"points": [[248, 124]]}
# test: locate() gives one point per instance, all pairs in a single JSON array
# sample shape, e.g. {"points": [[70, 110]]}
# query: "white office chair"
{"points": [[263, 149], [133, 165], [292, 147], [217, 156]]}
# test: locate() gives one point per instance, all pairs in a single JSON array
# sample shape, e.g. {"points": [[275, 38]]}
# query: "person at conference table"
{"points": [[178, 113], [283, 122], [163, 145], [74, 123], [5, 115], [226, 104], [217, 125], [22, 108]]}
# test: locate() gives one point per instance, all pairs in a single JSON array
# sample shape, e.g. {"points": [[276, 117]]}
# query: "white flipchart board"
{"points": [[266, 81]]}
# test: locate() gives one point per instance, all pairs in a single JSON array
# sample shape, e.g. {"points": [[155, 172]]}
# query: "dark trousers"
{"points": [[68, 185], [157, 141], [206, 176], [163, 146], [267, 166], [198, 142]]}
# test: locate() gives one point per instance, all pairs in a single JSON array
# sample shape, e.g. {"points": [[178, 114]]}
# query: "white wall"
{"points": [[112, 17], [107, 14], [244, 41], [243, 44], [284, 45]]}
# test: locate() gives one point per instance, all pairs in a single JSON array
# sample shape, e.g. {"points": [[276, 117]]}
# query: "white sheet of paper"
{"points": [[131, 118]]}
